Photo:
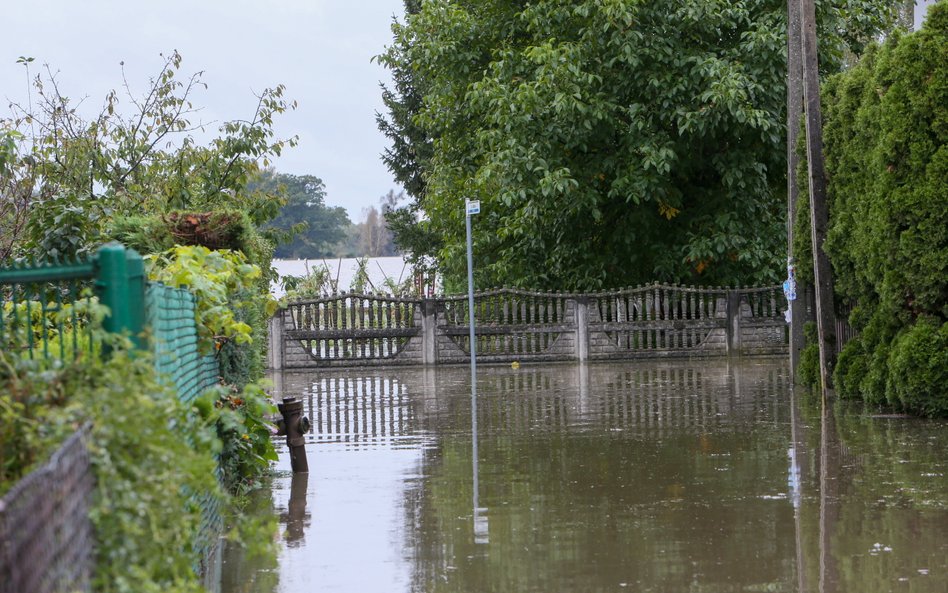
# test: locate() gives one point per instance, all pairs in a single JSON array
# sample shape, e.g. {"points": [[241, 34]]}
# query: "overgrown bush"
{"points": [[886, 125], [918, 368], [808, 371], [231, 310], [149, 453], [241, 420]]}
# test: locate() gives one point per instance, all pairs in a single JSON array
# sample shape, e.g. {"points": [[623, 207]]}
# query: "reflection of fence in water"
{"points": [[651, 399], [686, 398], [523, 401], [373, 411], [384, 409]]}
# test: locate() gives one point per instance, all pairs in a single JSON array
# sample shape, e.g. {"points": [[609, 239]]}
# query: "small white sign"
{"points": [[472, 207]]}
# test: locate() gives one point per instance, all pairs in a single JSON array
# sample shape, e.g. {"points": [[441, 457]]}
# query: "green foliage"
{"points": [[247, 303], [886, 125], [145, 234], [608, 142], [56, 328], [808, 371], [214, 277], [24, 399], [216, 229], [66, 225], [231, 311], [318, 282], [305, 227], [411, 149], [851, 367], [918, 368], [66, 175], [149, 453], [241, 420]]}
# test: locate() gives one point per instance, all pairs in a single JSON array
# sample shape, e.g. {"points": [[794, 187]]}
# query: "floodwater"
{"points": [[670, 477]]}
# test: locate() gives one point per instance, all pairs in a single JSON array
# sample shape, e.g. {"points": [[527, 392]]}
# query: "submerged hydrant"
{"points": [[294, 425]]}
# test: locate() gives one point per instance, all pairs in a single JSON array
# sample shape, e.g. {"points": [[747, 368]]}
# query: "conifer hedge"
{"points": [[885, 127]]}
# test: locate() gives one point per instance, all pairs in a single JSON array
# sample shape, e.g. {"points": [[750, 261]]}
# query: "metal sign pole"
{"points": [[480, 517], [471, 208]]}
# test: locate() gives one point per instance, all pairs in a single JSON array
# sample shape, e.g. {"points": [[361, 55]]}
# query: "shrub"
{"points": [[849, 371], [918, 368], [885, 132], [214, 277], [808, 371], [149, 452]]}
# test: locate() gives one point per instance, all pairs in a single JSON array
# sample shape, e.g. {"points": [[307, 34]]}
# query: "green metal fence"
{"points": [[50, 310], [174, 341]]}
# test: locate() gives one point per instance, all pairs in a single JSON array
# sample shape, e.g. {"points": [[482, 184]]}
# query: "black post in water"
{"points": [[294, 426]]}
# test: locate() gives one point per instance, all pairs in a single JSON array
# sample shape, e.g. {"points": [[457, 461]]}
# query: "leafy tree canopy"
{"points": [[609, 142]]}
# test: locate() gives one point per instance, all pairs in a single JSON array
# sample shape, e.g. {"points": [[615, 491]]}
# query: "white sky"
{"points": [[320, 49]]}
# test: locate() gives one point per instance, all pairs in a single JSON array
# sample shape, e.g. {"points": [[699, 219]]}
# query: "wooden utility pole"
{"points": [[794, 116], [819, 211]]}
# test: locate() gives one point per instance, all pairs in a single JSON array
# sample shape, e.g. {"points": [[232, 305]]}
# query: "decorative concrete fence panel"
{"points": [[517, 325]]}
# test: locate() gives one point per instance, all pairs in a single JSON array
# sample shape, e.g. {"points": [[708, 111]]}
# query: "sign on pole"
{"points": [[472, 207]]}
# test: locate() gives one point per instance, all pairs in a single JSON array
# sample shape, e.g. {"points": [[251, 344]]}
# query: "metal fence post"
{"points": [[120, 283], [135, 268]]}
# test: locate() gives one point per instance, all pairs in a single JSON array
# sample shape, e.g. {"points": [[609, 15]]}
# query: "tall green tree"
{"points": [[610, 142], [310, 228]]}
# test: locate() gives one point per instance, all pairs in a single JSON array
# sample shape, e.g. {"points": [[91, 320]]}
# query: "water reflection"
{"points": [[700, 476], [479, 513], [296, 519]]}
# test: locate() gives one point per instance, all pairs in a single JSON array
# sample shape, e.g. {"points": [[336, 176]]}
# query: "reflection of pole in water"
{"points": [[829, 498], [480, 514], [296, 517], [583, 389], [796, 487]]}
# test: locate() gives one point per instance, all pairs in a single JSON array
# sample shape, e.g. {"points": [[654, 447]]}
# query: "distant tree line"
{"points": [[306, 228]]}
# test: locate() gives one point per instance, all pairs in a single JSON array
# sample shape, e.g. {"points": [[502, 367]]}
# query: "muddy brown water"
{"points": [[687, 476]]}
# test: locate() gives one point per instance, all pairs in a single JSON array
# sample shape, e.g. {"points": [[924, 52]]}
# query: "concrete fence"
{"points": [[517, 325]]}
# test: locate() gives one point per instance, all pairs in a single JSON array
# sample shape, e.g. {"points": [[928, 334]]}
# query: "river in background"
{"points": [[343, 271], [649, 477]]}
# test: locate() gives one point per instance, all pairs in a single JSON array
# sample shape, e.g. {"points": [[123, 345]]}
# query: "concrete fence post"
{"points": [[276, 340], [582, 328], [733, 327], [429, 336]]}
